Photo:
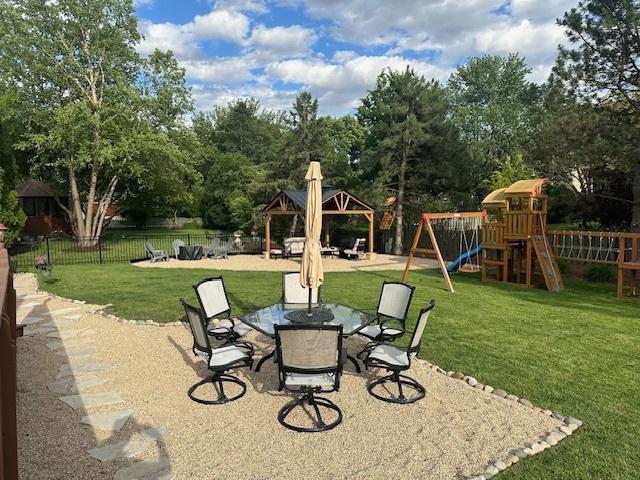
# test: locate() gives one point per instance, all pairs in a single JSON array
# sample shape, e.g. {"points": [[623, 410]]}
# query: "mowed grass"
{"points": [[576, 352]]}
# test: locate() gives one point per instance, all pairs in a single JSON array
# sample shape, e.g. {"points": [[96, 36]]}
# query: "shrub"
{"points": [[601, 273]]}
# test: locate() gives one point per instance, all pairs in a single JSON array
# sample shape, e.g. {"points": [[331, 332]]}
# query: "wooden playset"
{"points": [[514, 245]]}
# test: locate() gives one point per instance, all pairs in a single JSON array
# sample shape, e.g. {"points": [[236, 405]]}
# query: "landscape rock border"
{"points": [[569, 427], [547, 440]]}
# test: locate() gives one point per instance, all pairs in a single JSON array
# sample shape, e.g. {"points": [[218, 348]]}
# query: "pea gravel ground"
{"points": [[453, 433]]}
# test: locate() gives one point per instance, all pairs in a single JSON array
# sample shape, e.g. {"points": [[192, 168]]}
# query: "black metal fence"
{"points": [[121, 248]]}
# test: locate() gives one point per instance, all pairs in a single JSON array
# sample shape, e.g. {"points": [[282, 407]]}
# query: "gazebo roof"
{"points": [[333, 202]]}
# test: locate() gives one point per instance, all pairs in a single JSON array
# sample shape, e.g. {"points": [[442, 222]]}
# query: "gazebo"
{"points": [[334, 202]]}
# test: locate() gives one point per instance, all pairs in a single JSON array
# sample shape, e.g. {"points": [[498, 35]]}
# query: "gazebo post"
{"points": [[267, 234], [370, 218]]}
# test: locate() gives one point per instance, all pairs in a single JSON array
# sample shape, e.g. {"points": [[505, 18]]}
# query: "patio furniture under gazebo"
{"points": [[334, 202]]}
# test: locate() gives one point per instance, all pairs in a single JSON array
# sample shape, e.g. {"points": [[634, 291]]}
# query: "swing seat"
{"points": [[469, 269]]}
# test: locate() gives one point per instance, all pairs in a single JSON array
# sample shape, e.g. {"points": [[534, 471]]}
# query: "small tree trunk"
{"points": [[635, 212], [75, 214], [294, 224], [175, 219], [397, 249]]}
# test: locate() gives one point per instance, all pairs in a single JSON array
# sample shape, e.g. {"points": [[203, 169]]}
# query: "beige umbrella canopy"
{"points": [[311, 273]]}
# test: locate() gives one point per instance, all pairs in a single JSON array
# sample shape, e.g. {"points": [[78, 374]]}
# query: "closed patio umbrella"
{"points": [[311, 273]]}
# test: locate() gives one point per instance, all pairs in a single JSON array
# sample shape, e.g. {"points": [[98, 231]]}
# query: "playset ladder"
{"points": [[548, 264]]}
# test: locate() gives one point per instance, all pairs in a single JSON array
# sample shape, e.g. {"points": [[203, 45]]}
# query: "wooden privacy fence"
{"points": [[614, 248], [8, 435]]}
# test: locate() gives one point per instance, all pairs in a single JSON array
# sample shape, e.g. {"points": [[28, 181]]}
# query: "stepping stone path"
{"points": [[89, 400], [81, 369], [30, 320], [70, 343], [71, 333], [77, 352], [118, 451], [113, 421], [74, 347], [70, 385]]}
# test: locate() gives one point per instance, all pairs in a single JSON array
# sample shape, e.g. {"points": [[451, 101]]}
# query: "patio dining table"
{"points": [[265, 319]]}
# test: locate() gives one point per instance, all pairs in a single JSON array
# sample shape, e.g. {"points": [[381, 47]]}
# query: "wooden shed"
{"points": [[44, 215]]}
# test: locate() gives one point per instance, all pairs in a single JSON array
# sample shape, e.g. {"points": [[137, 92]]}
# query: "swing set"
{"points": [[469, 244]]}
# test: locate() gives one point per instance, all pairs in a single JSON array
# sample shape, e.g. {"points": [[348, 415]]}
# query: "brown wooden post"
{"points": [[443, 267], [620, 279], [267, 234], [414, 245], [370, 217], [8, 430], [529, 265]]}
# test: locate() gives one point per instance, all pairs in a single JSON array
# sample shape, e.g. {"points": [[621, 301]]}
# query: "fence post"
{"points": [[100, 249], [48, 255], [188, 239]]}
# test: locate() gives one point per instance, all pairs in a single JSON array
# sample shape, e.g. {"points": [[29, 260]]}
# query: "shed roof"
{"points": [[525, 187], [495, 199], [35, 188]]}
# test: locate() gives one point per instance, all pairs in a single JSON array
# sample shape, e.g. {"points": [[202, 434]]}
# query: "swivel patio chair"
{"points": [[176, 247], [396, 360], [212, 297], [393, 307], [293, 292], [309, 362], [219, 360], [155, 255]]}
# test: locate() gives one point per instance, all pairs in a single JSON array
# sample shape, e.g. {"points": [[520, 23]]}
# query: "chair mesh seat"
{"points": [[391, 355], [223, 355], [372, 331], [309, 379]]}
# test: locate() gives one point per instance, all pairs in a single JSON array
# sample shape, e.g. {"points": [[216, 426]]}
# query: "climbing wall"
{"points": [[548, 264], [387, 219]]}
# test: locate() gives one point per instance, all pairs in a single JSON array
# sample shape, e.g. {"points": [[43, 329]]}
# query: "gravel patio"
{"points": [[133, 381]]}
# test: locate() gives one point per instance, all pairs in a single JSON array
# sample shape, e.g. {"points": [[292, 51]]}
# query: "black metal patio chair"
{"points": [[216, 309], [219, 360], [390, 324], [310, 362], [396, 360]]}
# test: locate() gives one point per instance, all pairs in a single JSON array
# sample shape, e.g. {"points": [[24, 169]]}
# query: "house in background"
{"points": [[44, 215]]}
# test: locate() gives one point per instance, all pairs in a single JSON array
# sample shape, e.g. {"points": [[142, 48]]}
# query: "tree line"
{"points": [[81, 109]]}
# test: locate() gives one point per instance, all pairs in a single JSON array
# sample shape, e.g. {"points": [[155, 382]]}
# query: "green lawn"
{"points": [[576, 352]]}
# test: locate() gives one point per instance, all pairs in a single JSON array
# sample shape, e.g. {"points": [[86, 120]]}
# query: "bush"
{"points": [[601, 273]]}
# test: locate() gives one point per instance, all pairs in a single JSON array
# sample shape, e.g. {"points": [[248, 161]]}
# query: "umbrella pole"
{"points": [[309, 309]]}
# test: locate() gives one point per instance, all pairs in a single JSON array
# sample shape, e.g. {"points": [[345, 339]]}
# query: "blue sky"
{"points": [[271, 50]]}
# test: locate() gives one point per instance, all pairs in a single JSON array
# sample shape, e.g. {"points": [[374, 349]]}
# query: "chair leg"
{"points": [[218, 380], [319, 425], [401, 381], [264, 359], [355, 363]]}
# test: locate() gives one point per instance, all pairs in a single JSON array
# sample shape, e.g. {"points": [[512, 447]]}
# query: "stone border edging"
{"points": [[547, 440]]}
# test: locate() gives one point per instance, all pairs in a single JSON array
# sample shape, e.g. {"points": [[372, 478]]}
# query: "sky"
{"points": [[273, 49]]}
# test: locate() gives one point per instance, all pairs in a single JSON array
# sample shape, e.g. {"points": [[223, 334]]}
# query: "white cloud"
{"points": [[338, 59], [289, 41], [222, 24], [183, 39], [537, 43], [540, 11]]}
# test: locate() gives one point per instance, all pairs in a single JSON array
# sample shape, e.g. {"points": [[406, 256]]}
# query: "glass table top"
{"points": [[264, 320]]}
